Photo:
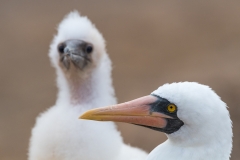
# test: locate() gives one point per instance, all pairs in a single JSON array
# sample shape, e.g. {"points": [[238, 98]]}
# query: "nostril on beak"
{"points": [[89, 49], [61, 47]]}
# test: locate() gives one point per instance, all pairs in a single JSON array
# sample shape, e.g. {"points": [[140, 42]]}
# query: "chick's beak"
{"points": [[137, 111], [76, 52]]}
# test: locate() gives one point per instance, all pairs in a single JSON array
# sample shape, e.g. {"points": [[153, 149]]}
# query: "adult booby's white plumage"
{"points": [[84, 82], [193, 116]]}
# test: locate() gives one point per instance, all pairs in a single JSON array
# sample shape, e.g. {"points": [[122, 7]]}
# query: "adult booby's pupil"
{"points": [[89, 49], [171, 108]]}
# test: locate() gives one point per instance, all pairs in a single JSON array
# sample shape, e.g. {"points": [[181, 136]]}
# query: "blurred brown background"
{"points": [[149, 42]]}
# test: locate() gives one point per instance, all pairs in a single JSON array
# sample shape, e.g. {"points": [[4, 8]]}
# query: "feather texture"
{"points": [[58, 133]]}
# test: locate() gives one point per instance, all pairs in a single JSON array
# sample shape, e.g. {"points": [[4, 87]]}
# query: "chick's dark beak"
{"points": [[138, 111], [76, 52]]}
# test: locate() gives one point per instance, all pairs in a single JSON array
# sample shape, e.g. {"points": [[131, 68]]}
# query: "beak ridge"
{"points": [[137, 111]]}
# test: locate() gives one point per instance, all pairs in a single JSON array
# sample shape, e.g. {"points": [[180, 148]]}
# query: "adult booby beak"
{"points": [[141, 111]]}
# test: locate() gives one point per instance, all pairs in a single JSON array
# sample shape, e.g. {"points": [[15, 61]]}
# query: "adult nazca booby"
{"points": [[84, 82], [194, 118]]}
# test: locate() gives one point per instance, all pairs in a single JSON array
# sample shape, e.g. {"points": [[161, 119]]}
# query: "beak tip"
{"points": [[88, 115], [83, 116]]}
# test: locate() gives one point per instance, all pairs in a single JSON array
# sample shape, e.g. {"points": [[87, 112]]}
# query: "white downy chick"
{"points": [[84, 81]]}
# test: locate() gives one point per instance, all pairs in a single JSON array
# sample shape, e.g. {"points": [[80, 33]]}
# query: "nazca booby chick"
{"points": [[194, 118], [84, 81]]}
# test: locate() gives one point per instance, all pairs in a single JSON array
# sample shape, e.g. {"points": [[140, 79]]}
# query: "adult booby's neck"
{"points": [[207, 146], [93, 88]]}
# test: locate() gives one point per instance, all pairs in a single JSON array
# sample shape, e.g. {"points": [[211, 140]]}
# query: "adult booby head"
{"points": [[193, 116]]}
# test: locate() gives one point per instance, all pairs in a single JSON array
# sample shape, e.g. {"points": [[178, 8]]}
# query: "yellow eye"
{"points": [[171, 108]]}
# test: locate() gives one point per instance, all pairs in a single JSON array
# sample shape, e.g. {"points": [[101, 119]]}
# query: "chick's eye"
{"points": [[89, 49], [61, 47], [171, 108]]}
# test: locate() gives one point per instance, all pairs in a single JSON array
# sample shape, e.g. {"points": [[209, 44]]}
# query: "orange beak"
{"points": [[137, 111]]}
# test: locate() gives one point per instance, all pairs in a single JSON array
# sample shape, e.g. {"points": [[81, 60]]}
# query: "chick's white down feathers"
{"points": [[58, 133]]}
